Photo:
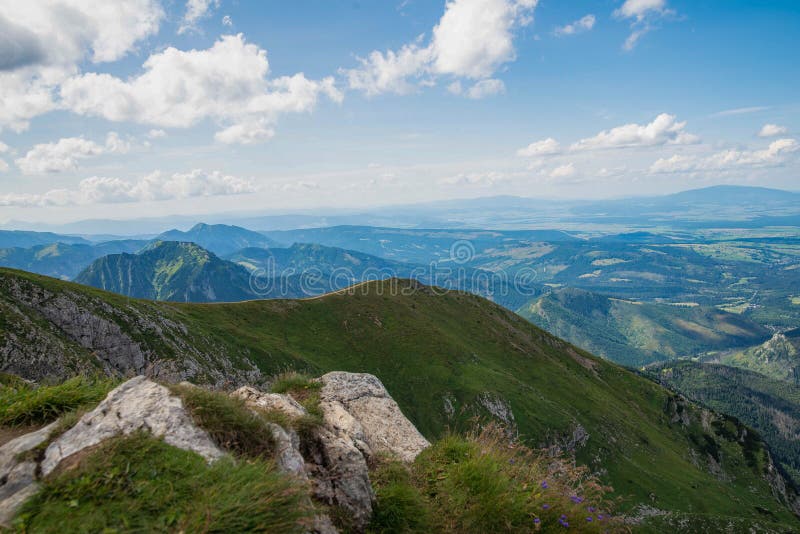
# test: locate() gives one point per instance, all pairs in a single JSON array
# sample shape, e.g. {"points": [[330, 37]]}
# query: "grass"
{"points": [[140, 484], [427, 347], [22, 404], [304, 390], [480, 483], [231, 424]]}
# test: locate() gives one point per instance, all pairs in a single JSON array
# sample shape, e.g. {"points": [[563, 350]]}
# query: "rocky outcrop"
{"points": [[18, 474], [358, 407], [360, 420], [138, 404], [76, 332]]}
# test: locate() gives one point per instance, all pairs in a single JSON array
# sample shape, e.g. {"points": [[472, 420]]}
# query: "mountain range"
{"points": [[448, 357]]}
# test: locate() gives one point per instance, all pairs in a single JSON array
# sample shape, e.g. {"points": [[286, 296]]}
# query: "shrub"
{"points": [[140, 484], [22, 404], [229, 422]]}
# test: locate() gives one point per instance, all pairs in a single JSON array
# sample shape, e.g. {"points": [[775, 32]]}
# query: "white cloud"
{"points": [[472, 40], [245, 133], [65, 153], [484, 88], [775, 154], [664, 129], [583, 24], [3, 166], [640, 8], [195, 11], [227, 21], [3, 147], [739, 111], [564, 171], [156, 133], [46, 40], [544, 147], [642, 14], [153, 187], [772, 130], [227, 82]]}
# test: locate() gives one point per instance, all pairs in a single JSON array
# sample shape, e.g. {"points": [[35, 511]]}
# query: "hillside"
{"points": [[172, 271], [63, 260], [446, 358], [26, 239], [221, 239], [778, 357], [769, 406], [634, 333]]}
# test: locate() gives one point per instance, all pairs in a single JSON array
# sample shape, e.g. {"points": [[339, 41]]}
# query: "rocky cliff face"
{"points": [[53, 334], [360, 418]]}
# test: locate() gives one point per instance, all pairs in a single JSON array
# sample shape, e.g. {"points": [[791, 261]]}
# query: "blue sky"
{"points": [[148, 108]]}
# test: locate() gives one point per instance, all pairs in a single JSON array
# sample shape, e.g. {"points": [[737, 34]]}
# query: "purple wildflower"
{"points": [[591, 509], [544, 484], [536, 520], [546, 506], [576, 499], [589, 519]]}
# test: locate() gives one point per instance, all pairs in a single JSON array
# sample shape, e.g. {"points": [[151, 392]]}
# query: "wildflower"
{"points": [[546, 506], [576, 499], [591, 509], [536, 520], [600, 517], [544, 484], [589, 519]]}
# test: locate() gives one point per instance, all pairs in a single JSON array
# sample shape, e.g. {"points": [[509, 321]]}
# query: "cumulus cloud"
{"points": [[772, 130], [773, 155], [153, 187], [581, 25], [227, 82], [663, 130], [544, 147], [564, 171], [156, 133], [195, 11], [42, 43], [642, 14], [65, 153], [245, 133], [489, 25]]}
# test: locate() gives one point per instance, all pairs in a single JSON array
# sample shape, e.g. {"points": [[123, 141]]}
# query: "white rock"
{"points": [[381, 424], [18, 479], [270, 401], [138, 404]]}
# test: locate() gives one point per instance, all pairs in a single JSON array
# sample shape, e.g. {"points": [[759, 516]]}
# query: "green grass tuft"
{"points": [[481, 483], [140, 484], [22, 404], [231, 424]]}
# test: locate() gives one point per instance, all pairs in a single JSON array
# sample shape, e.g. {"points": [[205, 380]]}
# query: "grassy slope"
{"points": [[777, 358], [770, 406], [426, 347], [638, 333]]}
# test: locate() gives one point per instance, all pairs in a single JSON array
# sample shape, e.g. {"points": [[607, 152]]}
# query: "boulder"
{"points": [[356, 405], [138, 404], [18, 476]]}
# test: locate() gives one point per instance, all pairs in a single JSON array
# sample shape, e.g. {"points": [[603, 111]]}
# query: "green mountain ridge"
{"points": [[778, 357], [635, 333], [770, 406], [447, 357], [173, 271], [221, 239]]}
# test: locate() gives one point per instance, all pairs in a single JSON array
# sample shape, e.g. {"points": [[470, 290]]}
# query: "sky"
{"points": [[147, 108]]}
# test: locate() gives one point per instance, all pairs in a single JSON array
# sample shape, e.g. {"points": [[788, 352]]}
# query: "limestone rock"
{"points": [[270, 401], [18, 478], [138, 404], [357, 405], [287, 451]]}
